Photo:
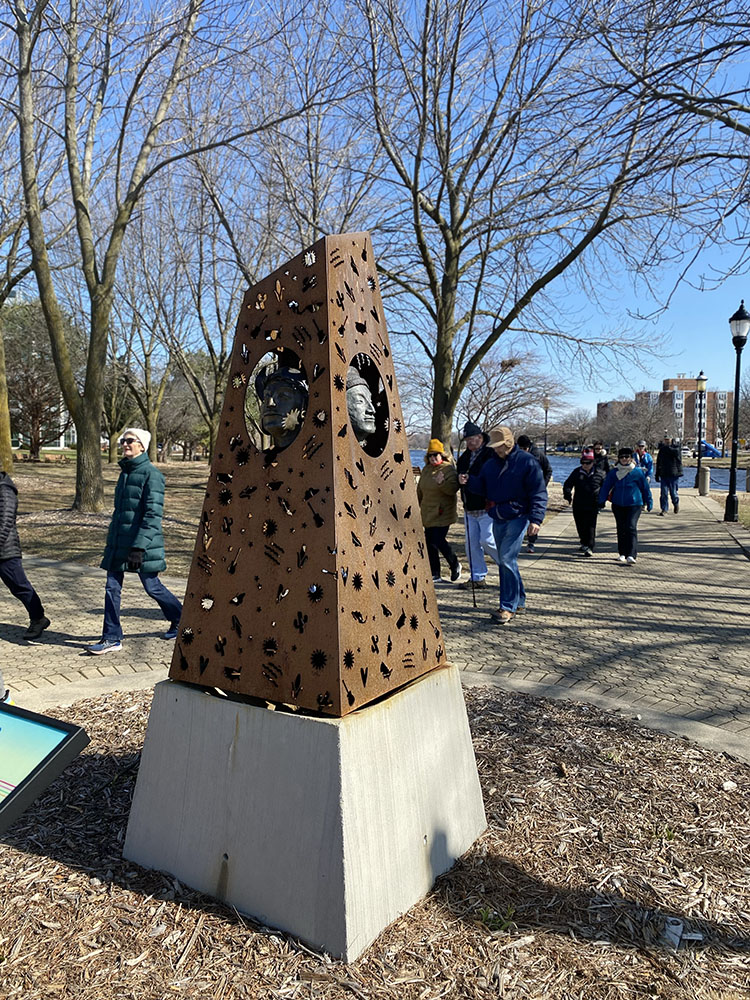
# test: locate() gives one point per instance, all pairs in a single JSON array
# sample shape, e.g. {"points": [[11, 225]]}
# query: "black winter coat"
{"points": [[583, 488], [668, 462], [10, 544], [543, 461], [473, 501]]}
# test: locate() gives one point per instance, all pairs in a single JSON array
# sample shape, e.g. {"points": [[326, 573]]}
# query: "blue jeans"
{"points": [[480, 538], [508, 539], [668, 489], [170, 606]]}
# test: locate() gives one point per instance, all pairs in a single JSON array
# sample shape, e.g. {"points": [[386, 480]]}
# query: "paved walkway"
{"points": [[666, 639]]}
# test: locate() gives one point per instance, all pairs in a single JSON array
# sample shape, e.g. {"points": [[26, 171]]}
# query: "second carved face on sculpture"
{"points": [[359, 405], [283, 394]]}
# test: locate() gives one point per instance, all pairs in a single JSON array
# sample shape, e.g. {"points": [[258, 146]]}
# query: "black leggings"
{"points": [[437, 542], [626, 519], [585, 519]]}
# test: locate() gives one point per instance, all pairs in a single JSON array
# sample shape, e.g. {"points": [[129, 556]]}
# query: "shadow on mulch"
{"points": [[81, 821]]}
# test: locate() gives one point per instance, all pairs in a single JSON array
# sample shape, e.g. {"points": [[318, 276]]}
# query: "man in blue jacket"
{"points": [[516, 497]]}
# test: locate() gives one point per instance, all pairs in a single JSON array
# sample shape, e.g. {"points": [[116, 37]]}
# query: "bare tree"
{"points": [[576, 426], [513, 169], [118, 71]]}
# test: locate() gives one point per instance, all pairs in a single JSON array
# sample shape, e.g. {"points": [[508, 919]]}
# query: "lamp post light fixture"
{"points": [[739, 324], [701, 384], [545, 404]]}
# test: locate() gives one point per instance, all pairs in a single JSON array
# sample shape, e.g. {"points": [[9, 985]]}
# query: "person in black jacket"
{"points": [[11, 569], [600, 457], [524, 443], [581, 488], [668, 471], [480, 538]]}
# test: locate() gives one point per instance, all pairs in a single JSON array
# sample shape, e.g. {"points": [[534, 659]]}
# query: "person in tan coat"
{"points": [[438, 485]]}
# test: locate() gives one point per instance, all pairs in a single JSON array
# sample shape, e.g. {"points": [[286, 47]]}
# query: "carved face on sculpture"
{"points": [[283, 394], [360, 405]]}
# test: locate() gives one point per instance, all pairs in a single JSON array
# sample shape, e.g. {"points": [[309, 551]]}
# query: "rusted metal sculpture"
{"points": [[310, 583]]}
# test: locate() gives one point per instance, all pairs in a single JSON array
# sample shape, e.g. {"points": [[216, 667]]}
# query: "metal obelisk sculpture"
{"points": [[310, 587], [310, 583]]}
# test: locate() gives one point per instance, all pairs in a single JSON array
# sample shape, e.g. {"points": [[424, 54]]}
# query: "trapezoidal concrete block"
{"points": [[326, 828]]}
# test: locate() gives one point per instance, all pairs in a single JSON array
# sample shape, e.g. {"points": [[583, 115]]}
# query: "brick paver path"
{"points": [[670, 633]]}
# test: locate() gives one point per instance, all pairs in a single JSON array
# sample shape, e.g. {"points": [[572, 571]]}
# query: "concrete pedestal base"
{"points": [[326, 828]]}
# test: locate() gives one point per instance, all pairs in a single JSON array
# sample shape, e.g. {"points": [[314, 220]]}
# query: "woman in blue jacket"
{"points": [[630, 493]]}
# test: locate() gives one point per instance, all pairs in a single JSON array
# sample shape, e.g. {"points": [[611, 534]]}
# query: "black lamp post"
{"points": [[545, 404], [739, 324], [701, 384]]}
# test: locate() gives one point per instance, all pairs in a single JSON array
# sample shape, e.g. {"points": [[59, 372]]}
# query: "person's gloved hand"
{"points": [[135, 560]]}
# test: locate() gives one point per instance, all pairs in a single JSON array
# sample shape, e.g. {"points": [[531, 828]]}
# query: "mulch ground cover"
{"points": [[616, 864]]}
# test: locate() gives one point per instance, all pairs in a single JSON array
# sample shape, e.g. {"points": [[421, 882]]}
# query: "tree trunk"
{"points": [[442, 406], [89, 484], [6, 448]]}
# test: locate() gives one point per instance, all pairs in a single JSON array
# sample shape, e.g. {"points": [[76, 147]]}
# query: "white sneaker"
{"points": [[630, 560], [621, 559]]}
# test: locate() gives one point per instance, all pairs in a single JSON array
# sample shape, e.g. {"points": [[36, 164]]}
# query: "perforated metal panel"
{"points": [[310, 583]]}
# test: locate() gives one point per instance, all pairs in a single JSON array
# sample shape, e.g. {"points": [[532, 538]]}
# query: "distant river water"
{"points": [[563, 465]]}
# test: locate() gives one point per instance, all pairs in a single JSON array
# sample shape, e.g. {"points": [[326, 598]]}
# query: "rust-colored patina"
{"points": [[310, 583]]}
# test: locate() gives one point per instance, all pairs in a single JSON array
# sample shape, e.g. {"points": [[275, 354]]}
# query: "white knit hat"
{"points": [[138, 432]]}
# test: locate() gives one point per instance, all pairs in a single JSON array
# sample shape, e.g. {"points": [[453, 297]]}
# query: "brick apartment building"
{"points": [[679, 397]]}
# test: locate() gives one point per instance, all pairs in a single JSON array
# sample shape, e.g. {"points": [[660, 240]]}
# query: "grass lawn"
{"points": [[50, 529]]}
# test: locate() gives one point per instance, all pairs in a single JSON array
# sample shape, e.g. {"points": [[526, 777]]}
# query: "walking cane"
{"points": [[466, 534]]}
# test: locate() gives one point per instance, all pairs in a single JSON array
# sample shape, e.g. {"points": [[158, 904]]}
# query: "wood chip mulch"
{"points": [[599, 831]]}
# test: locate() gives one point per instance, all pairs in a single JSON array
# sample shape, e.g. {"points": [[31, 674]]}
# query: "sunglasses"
{"points": [[130, 440]]}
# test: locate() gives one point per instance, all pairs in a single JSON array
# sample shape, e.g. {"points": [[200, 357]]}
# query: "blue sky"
{"points": [[696, 332]]}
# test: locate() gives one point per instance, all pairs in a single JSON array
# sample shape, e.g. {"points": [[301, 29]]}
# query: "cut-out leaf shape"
{"points": [[296, 687], [359, 617], [238, 598], [376, 579], [310, 493], [202, 664], [363, 672], [386, 611], [356, 540], [343, 431], [384, 670], [401, 621]]}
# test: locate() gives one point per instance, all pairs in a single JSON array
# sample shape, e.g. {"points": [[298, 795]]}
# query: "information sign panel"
{"points": [[34, 750]]}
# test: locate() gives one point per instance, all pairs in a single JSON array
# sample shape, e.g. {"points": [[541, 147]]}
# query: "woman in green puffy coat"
{"points": [[135, 542]]}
